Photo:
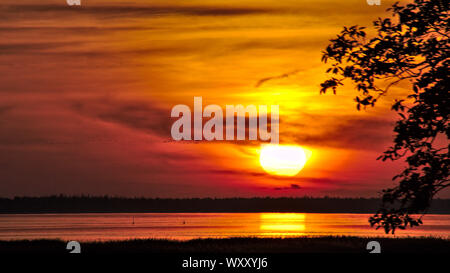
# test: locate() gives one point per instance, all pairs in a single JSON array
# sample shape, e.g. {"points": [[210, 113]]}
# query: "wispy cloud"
{"points": [[132, 11], [143, 116], [349, 132], [282, 76], [291, 187]]}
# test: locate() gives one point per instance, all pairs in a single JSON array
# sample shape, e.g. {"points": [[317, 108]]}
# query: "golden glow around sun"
{"points": [[286, 160]]}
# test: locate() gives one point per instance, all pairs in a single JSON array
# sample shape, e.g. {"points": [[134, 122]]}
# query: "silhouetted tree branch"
{"points": [[411, 46]]}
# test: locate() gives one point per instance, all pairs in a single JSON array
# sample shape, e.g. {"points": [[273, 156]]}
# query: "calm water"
{"points": [[183, 226]]}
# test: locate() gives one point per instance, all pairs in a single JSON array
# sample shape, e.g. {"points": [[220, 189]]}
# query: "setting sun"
{"points": [[283, 160]]}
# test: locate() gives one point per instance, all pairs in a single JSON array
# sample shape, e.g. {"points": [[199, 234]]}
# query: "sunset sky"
{"points": [[86, 95]]}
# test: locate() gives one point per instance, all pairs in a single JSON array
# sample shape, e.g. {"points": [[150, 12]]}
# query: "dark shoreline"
{"points": [[90, 204], [323, 244]]}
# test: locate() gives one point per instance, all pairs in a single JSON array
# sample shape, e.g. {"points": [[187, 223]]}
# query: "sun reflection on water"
{"points": [[282, 224]]}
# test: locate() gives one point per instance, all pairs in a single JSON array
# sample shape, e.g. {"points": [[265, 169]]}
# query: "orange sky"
{"points": [[86, 95]]}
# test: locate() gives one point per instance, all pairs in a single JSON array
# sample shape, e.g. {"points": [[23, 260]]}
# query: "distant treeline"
{"points": [[80, 204]]}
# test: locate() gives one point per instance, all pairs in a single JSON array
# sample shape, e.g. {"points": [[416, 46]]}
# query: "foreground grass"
{"points": [[326, 244]]}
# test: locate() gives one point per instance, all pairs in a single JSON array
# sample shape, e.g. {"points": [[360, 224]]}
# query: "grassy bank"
{"points": [[325, 244]]}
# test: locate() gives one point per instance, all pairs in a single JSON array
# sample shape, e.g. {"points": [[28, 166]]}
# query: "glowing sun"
{"points": [[287, 160]]}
